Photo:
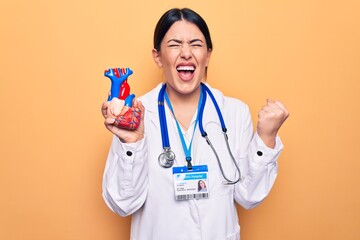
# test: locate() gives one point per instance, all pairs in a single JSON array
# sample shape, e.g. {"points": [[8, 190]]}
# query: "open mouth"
{"points": [[186, 72]]}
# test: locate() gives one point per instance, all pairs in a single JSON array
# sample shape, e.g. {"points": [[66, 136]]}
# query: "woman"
{"points": [[201, 186], [134, 183]]}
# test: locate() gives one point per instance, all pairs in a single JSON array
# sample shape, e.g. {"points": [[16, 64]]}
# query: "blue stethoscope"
{"points": [[167, 157]]}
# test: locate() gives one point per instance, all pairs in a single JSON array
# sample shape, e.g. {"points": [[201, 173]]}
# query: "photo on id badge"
{"points": [[202, 186]]}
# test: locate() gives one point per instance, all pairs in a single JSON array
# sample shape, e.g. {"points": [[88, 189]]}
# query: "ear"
{"points": [[156, 56]]}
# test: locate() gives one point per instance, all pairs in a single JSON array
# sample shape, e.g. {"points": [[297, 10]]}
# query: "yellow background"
{"points": [[305, 53]]}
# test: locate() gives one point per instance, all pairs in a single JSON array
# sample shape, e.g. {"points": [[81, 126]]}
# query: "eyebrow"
{"points": [[195, 40], [175, 40], [179, 41]]}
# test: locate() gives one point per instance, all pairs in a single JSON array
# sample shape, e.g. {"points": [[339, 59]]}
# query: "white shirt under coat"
{"points": [[134, 183]]}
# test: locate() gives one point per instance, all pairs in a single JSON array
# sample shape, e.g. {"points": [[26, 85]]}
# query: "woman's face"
{"points": [[183, 56], [202, 184]]}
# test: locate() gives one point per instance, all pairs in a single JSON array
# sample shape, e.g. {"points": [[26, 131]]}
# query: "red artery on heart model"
{"points": [[120, 100]]}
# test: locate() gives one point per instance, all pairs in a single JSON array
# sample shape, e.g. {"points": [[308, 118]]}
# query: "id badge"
{"points": [[191, 184]]}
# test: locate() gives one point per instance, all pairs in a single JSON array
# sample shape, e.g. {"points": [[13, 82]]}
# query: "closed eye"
{"points": [[174, 43], [196, 43]]}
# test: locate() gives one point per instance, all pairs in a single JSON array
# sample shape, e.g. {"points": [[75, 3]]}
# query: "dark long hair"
{"points": [[177, 14]]}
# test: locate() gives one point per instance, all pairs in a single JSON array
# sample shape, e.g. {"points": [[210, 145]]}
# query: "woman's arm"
{"points": [[125, 178], [258, 164]]}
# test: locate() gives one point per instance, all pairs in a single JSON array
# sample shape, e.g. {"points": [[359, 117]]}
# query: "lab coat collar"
{"points": [[150, 102]]}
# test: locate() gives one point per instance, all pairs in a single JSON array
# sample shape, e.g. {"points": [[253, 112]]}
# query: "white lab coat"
{"points": [[134, 183]]}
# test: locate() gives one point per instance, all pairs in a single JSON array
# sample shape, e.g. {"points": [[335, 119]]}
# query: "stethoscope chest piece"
{"points": [[166, 159]]}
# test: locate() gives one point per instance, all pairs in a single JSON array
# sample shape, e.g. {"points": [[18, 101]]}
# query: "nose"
{"points": [[185, 51]]}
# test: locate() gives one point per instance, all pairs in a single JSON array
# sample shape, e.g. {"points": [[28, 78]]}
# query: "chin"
{"points": [[186, 87]]}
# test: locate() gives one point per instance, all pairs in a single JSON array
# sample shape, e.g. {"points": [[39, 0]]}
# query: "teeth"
{"points": [[186, 68]]}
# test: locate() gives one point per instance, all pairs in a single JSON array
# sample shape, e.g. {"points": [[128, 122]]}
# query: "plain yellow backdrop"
{"points": [[53, 144]]}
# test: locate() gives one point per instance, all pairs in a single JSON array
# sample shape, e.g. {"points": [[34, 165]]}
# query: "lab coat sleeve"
{"points": [[125, 177], [258, 164]]}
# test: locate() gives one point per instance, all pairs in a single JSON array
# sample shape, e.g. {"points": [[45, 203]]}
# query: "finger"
{"points": [[142, 110], [104, 108], [277, 107], [262, 113], [270, 111], [268, 108], [274, 106], [276, 102], [141, 106], [282, 106], [271, 103], [137, 104], [109, 121]]}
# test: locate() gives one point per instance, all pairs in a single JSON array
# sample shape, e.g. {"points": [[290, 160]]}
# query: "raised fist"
{"points": [[270, 119]]}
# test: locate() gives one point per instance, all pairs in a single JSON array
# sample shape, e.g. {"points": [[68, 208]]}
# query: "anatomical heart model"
{"points": [[120, 102]]}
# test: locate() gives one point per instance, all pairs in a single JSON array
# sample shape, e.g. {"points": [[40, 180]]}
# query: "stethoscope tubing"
{"points": [[205, 90], [162, 118], [165, 135]]}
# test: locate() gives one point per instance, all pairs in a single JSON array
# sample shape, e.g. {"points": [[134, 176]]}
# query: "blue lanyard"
{"points": [[204, 90], [187, 150]]}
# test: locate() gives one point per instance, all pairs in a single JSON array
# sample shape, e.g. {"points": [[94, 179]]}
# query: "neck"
{"points": [[184, 105], [187, 99]]}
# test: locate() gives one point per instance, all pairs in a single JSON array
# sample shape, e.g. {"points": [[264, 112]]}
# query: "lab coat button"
{"points": [[129, 153], [259, 153]]}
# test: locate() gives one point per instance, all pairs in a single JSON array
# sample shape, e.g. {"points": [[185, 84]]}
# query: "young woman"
{"points": [[239, 166], [201, 186]]}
